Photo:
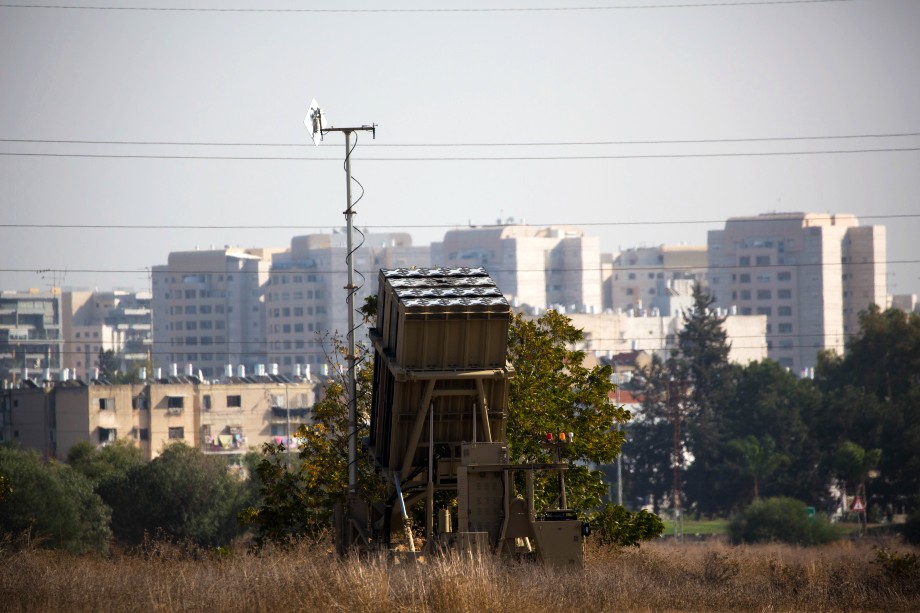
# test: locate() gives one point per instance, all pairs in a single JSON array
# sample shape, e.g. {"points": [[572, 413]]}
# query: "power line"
{"points": [[78, 226], [556, 9], [492, 271], [257, 158], [441, 145]]}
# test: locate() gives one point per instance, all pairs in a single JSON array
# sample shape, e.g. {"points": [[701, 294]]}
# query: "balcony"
{"points": [[299, 415]]}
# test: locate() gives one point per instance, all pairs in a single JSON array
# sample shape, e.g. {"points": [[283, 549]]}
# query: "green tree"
{"points": [[648, 451], [757, 459], [108, 364], [182, 493], [112, 462], [552, 391], [873, 399], [298, 498], [702, 362], [769, 401], [52, 501]]}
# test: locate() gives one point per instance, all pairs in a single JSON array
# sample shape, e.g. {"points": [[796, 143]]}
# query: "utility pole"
{"points": [[677, 462], [315, 121]]}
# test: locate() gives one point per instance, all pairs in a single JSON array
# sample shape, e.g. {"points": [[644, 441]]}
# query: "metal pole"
{"points": [[350, 301], [620, 455]]}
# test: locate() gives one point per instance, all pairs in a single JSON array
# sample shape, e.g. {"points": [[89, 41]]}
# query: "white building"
{"points": [[809, 274], [535, 267]]}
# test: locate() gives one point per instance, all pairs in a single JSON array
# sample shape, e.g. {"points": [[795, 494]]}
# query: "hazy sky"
{"points": [[757, 77]]}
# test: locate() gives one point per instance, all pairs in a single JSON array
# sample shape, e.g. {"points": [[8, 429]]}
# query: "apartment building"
{"points": [[119, 321], [230, 417], [30, 333], [611, 333], [305, 295], [208, 308], [535, 267], [640, 276], [810, 274]]}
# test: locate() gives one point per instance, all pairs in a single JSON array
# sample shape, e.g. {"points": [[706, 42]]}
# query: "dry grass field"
{"points": [[660, 576]]}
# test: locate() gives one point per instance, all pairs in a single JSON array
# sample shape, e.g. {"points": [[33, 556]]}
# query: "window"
{"points": [[629, 291], [785, 343], [190, 309], [139, 402], [784, 293], [106, 404], [764, 294], [175, 402], [107, 435], [784, 311], [632, 275], [785, 328], [144, 434], [745, 294], [744, 260], [765, 311], [763, 278], [234, 401], [298, 327], [745, 278], [763, 260], [177, 432], [784, 276], [298, 311]]}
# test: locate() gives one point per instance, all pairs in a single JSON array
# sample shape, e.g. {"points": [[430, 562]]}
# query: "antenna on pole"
{"points": [[315, 122]]}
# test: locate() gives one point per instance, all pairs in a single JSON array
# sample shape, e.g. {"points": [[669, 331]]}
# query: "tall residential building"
{"points": [[809, 273], [208, 309], [30, 333], [641, 275], [118, 320], [305, 296], [535, 267]]}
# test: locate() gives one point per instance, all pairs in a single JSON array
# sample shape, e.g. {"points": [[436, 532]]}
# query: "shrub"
{"points": [[615, 526], [783, 520], [912, 525]]}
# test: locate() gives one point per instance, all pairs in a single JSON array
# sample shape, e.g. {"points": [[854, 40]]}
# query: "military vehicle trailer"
{"points": [[438, 423]]}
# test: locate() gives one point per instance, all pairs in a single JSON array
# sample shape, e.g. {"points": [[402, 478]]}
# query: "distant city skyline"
{"points": [[129, 134]]}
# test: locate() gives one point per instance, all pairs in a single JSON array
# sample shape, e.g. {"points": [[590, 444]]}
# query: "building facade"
{"points": [[642, 275], [809, 274], [305, 296], [119, 321], [535, 267], [208, 309], [230, 417], [31, 341]]}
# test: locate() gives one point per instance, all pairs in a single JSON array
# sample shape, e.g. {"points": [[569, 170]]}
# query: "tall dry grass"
{"points": [[658, 577]]}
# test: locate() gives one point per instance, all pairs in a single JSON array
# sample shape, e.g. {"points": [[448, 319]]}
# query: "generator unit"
{"points": [[437, 424]]}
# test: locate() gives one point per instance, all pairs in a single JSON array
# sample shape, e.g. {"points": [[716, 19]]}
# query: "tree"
{"points": [[298, 499], [648, 451], [552, 391], [110, 463], [56, 504], [183, 493], [108, 364], [758, 459], [872, 398]]}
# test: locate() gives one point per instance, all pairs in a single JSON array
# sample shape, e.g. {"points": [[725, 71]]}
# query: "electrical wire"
{"points": [[505, 144], [650, 156], [555, 9], [492, 271], [659, 222]]}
